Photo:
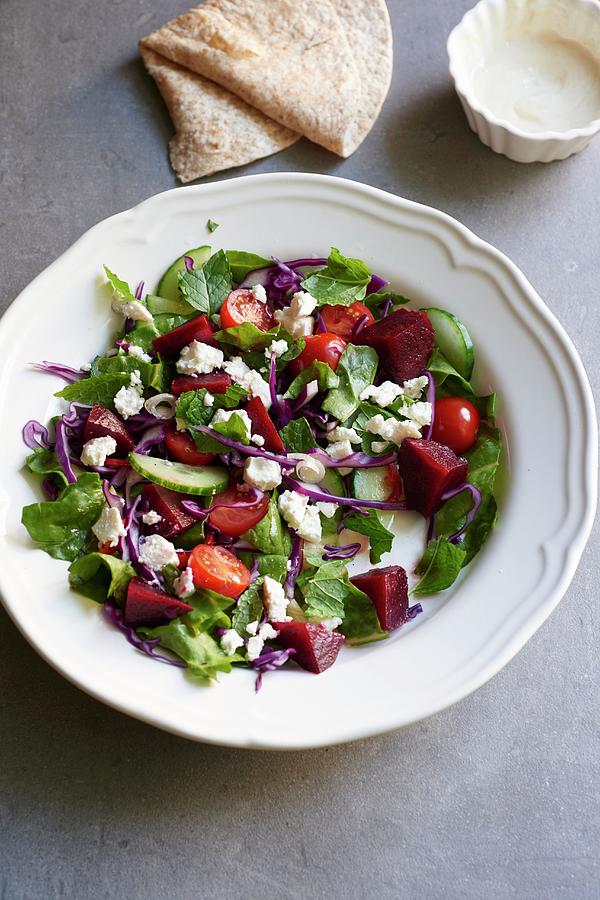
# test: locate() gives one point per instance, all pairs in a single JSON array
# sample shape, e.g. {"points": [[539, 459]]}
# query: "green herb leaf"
{"points": [[44, 462], [377, 299], [101, 389], [316, 371], [100, 576], [212, 226], [121, 288], [62, 527], [189, 638], [330, 593], [297, 436], [193, 412], [269, 535], [249, 608], [439, 566], [246, 337], [340, 283], [356, 370], [380, 539], [205, 288], [241, 263], [152, 374], [144, 332]]}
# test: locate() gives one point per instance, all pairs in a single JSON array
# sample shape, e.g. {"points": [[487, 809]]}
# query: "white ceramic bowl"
{"points": [[466, 634], [489, 29]]}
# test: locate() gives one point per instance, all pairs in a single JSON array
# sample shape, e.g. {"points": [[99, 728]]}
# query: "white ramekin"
{"points": [[492, 21]]}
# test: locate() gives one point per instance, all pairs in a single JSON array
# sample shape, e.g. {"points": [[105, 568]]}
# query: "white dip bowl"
{"points": [[527, 73]]}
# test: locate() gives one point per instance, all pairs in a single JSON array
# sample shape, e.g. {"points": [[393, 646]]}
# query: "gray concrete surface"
{"points": [[496, 798]]}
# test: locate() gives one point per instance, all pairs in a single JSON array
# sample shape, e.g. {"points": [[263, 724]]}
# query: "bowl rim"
{"points": [[466, 94]]}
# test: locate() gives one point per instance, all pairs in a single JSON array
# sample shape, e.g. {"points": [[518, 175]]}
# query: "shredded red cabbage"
{"points": [[139, 291], [36, 436], [67, 372], [386, 308], [476, 498], [308, 393], [358, 326], [356, 460], [314, 494], [376, 284], [148, 646], [201, 513], [269, 662], [62, 450], [344, 551], [50, 489], [246, 450], [150, 438], [189, 263], [320, 327], [413, 611]]}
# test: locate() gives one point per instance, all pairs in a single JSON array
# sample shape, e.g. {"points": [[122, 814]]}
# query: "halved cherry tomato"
{"points": [[325, 347], [262, 424], [183, 449], [393, 483], [238, 519], [242, 306], [218, 569], [455, 423], [341, 320], [107, 549]]}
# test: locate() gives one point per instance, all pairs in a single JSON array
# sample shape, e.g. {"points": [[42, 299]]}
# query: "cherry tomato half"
{"points": [[325, 347], [218, 569], [237, 519], [183, 449], [242, 306], [341, 320], [455, 423]]}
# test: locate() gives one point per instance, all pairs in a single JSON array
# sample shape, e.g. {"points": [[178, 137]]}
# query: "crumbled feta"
{"points": [[310, 527], [249, 379], [157, 552], [276, 347], [419, 412], [343, 434], [254, 648], [237, 369], [252, 627], [292, 507], [94, 452], [199, 358], [379, 446], [332, 623], [264, 474], [184, 583], [151, 518], [132, 309], [392, 429], [86, 367], [138, 353], [328, 509], [414, 387], [382, 394], [109, 526], [135, 380], [275, 601], [259, 293], [296, 318], [129, 400], [257, 439], [224, 415], [267, 632], [309, 469], [339, 449], [230, 641], [209, 400]]}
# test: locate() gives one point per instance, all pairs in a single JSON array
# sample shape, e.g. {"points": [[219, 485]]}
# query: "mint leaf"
{"points": [[297, 436], [241, 263], [152, 374], [269, 535], [330, 593], [62, 527], [234, 428], [100, 576], [249, 608], [101, 390], [192, 411], [380, 539], [439, 566], [121, 288], [341, 282], [316, 371], [189, 638], [205, 288], [212, 226], [246, 336], [356, 370]]}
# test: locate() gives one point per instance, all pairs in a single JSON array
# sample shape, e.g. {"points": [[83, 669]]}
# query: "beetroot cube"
{"points": [[214, 382], [387, 589], [146, 606], [101, 422], [404, 342], [175, 518], [428, 470], [196, 329], [262, 425], [316, 646]]}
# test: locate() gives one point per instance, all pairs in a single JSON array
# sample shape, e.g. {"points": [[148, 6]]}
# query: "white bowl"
{"points": [[466, 634], [502, 50]]}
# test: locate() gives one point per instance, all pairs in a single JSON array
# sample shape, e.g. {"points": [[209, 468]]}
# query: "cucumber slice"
{"points": [[453, 339], [168, 286], [159, 306], [180, 477], [370, 484]]}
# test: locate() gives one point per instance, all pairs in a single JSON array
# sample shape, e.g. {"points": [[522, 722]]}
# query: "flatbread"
{"points": [[321, 68], [214, 129]]}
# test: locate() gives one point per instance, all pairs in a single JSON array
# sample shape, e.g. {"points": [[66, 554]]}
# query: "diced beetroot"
{"points": [[167, 504], [196, 329], [262, 425], [316, 646], [428, 470], [146, 606], [101, 422], [215, 382], [387, 589], [404, 341]]}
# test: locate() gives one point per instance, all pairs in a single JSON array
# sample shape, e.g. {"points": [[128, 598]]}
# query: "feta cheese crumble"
{"points": [[276, 347], [414, 387], [199, 358], [264, 474], [132, 309], [259, 293], [267, 632], [296, 318], [109, 526], [94, 452], [224, 415], [339, 449], [343, 434], [419, 412], [292, 507], [275, 601], [184, 583], [209, 400], [327, 509], [254, 648], [252, 627], [157, 552], [382, 394], [392, 429], [151, 518], [138, 353], [379, 446], [310, 527], [332, 623], [249, 379], [231, 641], [257, 439], [129, 400]]}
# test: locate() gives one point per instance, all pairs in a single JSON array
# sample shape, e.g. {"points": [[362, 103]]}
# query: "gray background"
{"points": [[495, 798]]}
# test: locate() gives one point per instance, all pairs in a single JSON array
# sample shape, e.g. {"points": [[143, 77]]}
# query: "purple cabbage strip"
{"points": [[376, 284], [320, 324], [132, 525], [67, 372], [139, 291], [36, 436], [295, 565], [111, 498], [413, 611], [431, 528], [386, 308], [123, 345], [345, 551], [476, 498], [150, 438], [62, 450], [254, 570], [356, 460], [148, 646], [50, 489], [189, 263], [247, 450], [269, 662], [358, 326], [201, 513], [306, 261], [430, 398], [343, 501]]}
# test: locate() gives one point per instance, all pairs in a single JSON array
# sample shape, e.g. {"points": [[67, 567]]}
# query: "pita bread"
{"points": [[319, 68], [215, 130]]}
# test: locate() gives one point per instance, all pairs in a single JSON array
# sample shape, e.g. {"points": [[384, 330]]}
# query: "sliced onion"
{"points": [[161, 406]]}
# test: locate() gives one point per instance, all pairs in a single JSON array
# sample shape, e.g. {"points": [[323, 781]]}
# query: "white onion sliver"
{"points": [[162, 406]]}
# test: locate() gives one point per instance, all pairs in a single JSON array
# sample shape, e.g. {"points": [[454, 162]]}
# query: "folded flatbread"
{"points": [[320, 68], [214, 129]]}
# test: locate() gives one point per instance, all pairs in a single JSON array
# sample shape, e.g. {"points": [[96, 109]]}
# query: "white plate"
{"points": [[546, 412]]}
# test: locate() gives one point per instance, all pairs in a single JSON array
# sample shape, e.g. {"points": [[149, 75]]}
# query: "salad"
{"points": [[254, 424]]}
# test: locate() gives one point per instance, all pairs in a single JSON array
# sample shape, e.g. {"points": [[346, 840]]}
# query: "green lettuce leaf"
{"points": [[269, 535], [100, 576], [192, 411], [330, 593], [356, 370], [62, 527], [340, 283], [439, 566], [249, 608], [316, 371], [101, 389], [297, 436], [152, 374], [206, 287], [241, 263], [44, 462], [246, 337], [212, 226], [380, 539], [189, 637], [121, 288], [372, 301]]}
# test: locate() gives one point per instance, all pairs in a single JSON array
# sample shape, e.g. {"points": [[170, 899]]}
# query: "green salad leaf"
{"points": [[249, 608], [44, 462], [152, 374], [439, 566], [316, 371], [189, 637], [246, 337], [269, 535], [211, 225], [121, 288], [100, 576], [356, 370], [206, 287], [340, 283], [100, 389], [380, 538], [241, 263], [235, 429], [62, 527], [297, 436], [373, 301], [330, 593], [192, 411]]}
